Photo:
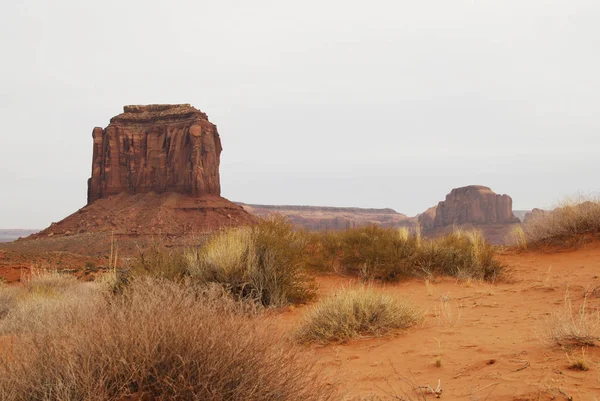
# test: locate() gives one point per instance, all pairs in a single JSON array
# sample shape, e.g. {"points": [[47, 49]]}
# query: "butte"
{"points": [[155, 175]]}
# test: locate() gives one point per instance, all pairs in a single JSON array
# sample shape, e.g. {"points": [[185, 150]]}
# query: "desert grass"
{"points": [[570, 220], [390, 254], [578, 362], [264, 263], [356, 313], [158, 339], [575, 326], [518, 237], [438, 356], [446, 314]]}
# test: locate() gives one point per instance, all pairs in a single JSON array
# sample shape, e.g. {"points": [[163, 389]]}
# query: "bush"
{"points": [[350, 314], [264, 263], [157, 340], [570, 221], [389, 254], [158, 261], [460, 254]]}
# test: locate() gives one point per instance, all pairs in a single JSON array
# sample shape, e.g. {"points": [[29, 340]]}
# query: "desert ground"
{"points": [[492, 339], [478, 340]]}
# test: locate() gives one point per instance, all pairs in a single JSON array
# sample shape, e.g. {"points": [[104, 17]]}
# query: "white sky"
{"points": [[384, 103]]}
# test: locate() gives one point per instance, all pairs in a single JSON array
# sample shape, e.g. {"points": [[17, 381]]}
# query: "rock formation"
{"points": [[534, 214], [155, 172], [331, 218], [427, 218], [156, 148], [473, 204]]}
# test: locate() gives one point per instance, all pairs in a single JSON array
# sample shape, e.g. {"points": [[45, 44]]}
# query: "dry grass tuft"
{"points": [[264, 263], [571, 220], [157, 340], [358, 313], [575, 327], [519, 237], [578, 362]]}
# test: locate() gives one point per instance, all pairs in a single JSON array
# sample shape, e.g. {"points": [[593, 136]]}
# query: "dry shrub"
{"points": [[157, 340], [389, 254], [350, 314], [375, 252], [571, 220], [462, 254], [575, 327], [8, 297], [158, 261], [264, 263], [44, 299]]}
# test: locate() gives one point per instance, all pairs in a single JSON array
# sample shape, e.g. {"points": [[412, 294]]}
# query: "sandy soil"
{"points": [[494, 346], [493, 342]]}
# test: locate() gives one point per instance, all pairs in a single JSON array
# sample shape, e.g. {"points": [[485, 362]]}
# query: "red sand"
{"points": [[497, 350]]}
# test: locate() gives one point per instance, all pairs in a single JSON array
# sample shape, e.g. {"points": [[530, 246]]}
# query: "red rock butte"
{"points": [[155, 171], [156, 148], [473, 204]]}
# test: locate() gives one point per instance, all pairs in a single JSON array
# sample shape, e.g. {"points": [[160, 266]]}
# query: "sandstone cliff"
{"points": [[155, 174], [156, 148], [474, 204]]}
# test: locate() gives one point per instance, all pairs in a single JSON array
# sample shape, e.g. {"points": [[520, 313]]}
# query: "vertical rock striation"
{"points": [[156, 148], [474, 204]]}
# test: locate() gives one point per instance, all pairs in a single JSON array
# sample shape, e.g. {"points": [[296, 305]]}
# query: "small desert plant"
{"points": [[157, 340], [569, 221], [575, 327], [438, 356], [578, 362], [349, 314], [445, 314]]}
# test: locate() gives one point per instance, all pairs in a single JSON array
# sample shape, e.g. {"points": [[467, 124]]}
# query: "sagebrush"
{"points": [[157, 340]]}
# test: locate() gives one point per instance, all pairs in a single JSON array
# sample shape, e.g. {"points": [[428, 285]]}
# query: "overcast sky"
{"points": [[318, 102]]}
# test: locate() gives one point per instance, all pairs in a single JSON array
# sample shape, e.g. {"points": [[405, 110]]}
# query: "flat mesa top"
{"points": [[145, 108], [135, 114]]}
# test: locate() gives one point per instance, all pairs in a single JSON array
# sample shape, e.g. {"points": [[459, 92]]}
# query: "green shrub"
{"points": [[350, 314]]}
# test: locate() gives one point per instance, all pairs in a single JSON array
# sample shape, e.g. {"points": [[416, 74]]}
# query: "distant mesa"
{"points": [[473, 204], [534, 214], [331, 218]]}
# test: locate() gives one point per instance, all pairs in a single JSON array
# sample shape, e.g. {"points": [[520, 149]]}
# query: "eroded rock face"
{"points": [[156, 148], [474, 204]]}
